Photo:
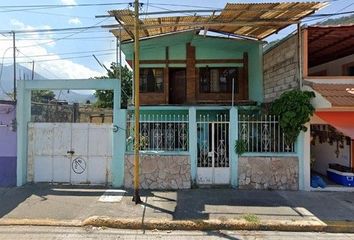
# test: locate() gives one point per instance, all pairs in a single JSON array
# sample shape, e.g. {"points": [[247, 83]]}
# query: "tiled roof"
{"points": [[339, 95]]}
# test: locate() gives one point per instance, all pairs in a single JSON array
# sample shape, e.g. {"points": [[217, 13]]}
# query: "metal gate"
{"points": [[213, 150], [70, 153]]}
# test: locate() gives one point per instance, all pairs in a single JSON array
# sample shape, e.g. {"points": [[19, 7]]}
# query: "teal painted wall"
{"points": [[255, 73]]}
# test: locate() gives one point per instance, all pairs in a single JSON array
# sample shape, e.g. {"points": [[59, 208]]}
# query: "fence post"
{"points": [[303, 153], [233, 137], [192, 115], [119, 138], [23, 116], [76, 115]]}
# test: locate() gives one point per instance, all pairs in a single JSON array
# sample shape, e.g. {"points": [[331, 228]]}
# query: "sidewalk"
{"points": [[184, 209]]}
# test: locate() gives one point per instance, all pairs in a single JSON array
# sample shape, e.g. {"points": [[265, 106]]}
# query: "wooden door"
{"points": [[177, 85]]}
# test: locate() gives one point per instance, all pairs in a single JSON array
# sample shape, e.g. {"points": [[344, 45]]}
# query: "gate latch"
{"points": [[71, 152]]}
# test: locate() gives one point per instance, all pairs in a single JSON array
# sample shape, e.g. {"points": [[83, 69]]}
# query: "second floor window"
{"points": [[218, 80], [151, 80]]}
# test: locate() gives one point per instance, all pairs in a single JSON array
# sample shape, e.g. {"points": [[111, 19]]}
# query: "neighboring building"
{"points": [[8, 144], [327, 68]]}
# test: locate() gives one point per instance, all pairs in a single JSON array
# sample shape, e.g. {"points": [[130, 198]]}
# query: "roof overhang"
{"points": [[254, 20], [327, 43], [332, 94]]}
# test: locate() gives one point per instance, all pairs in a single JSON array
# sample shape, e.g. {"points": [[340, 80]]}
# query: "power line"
{"points": [[36, 62], [17, 8], [74, 38], [66, 53], [76, 57], [59, 14], [68, 36], [339, 12]]}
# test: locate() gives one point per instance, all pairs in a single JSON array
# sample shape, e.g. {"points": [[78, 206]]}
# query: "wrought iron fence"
{"points": [[159, 132], [263, 134]]}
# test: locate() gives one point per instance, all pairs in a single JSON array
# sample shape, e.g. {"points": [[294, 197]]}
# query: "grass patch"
{"points": [[251, 218]]}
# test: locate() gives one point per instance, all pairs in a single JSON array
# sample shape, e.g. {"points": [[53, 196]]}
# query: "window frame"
{"points": [[147, 88], [208, 88]]}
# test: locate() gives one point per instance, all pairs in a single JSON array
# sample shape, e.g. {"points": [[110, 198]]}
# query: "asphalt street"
{"points": [[58, 233]]}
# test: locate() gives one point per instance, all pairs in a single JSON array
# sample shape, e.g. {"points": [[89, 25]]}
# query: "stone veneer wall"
{"points": [[280, 66], [159, 172], [268, 173]]}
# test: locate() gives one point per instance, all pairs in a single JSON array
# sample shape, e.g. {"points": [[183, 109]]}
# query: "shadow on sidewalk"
{"points": [[11, 198]]}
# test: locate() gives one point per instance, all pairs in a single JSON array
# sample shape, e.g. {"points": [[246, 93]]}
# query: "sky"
{"points": [[53, 52]]}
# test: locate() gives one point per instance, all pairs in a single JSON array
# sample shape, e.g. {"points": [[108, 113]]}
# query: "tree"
{"points": [[105, 97], [42, 96]]}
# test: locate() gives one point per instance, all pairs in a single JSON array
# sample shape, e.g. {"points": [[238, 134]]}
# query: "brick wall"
{"points": [[280, 66]]}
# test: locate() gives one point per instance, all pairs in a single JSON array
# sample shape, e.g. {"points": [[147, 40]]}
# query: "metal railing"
{"points": [[213, 141], [263, 134], [159, 132]]}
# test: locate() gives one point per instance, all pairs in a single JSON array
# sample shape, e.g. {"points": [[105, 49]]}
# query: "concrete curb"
{"points": [[270, 225], [40, 222], [339, 227], [202, 225]]}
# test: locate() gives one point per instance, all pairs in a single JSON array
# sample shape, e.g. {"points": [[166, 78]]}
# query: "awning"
{"points": [[342, 121], [255, 20]]}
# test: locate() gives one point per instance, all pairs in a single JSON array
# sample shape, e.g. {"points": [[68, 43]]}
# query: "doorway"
{"points": [[213, 166], [177, 86]]}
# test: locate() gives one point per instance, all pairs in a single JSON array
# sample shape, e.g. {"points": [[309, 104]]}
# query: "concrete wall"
{"points": [[324, 153], [268, 173], [159, 172], [332, 68], [280, 69], [49, 112], [7, 146]]}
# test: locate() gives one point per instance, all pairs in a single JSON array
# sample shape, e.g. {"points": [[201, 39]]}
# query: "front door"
{"points": [[213, 152], [177, 86]]}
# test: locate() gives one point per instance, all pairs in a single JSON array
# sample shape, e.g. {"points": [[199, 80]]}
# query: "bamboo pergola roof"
{"points": [[255, 20]]}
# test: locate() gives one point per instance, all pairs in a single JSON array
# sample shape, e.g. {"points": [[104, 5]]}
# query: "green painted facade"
{"points": [[207, 47]]}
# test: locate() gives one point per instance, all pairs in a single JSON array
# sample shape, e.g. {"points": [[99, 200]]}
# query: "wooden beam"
{"points": [[198, 61], [332, 45], [130, 33], [264, 23], [206, 61], [159, 21], [177, 20], [162, 61], [245, 77], [305, 65]]}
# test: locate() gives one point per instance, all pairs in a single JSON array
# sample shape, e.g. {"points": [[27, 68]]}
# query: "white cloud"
{"points": [[74, 21], [64, 68], [68, 2]]}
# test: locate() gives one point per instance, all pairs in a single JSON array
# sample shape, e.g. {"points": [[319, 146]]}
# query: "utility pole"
{"points": [[14, 55], [32, 70], [136, 197]]}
